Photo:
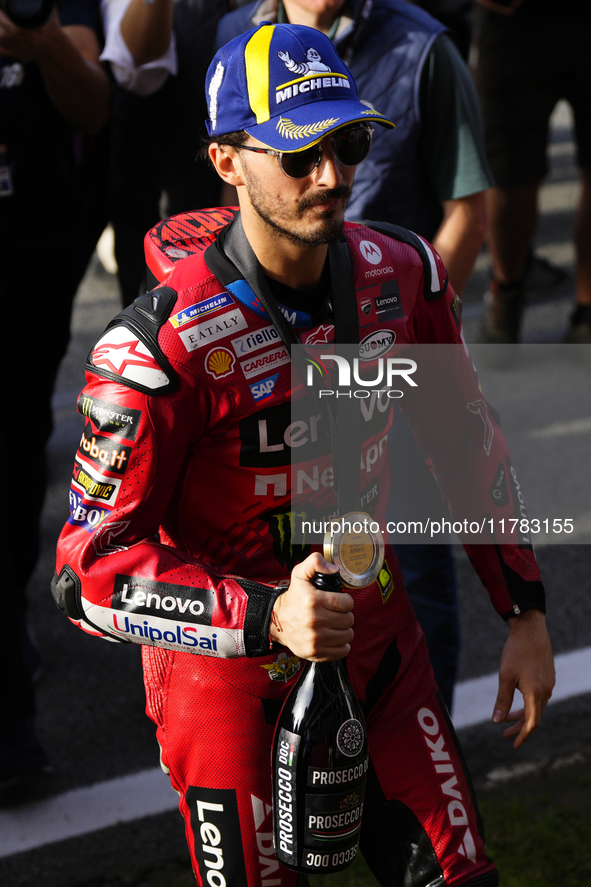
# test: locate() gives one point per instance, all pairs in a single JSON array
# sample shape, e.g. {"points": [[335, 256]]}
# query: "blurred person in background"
{"points": [[455, 15], [52, 90], [158, 53], [531, 54]]}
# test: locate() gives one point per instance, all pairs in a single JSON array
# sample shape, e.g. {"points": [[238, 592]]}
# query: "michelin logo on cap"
{"points": [[313, 73]]}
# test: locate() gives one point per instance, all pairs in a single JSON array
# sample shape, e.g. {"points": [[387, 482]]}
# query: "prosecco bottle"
{"points": [[320, 762]]}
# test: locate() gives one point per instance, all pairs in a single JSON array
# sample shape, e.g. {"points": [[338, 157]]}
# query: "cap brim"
{"points": [[305, 126]]}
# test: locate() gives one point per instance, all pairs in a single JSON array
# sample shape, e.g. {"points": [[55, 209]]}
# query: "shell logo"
{"points": [[220, 362]]}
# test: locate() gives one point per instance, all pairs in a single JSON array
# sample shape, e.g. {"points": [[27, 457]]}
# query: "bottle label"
{"points": [[347, 777], [331, 860], [284, 800], [333, 821]]}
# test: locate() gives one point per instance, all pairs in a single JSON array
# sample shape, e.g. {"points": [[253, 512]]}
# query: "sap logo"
{"points": [[370, 252], [443, 764], [264, 389]]}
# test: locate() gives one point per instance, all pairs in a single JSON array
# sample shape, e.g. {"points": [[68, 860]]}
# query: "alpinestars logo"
{"points": [[121, 353]]}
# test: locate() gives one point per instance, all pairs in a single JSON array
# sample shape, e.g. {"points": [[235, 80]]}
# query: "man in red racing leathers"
{"points": [[191, 465]]}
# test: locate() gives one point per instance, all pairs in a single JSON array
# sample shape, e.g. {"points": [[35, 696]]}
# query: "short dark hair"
{"points": [[232, 139]]}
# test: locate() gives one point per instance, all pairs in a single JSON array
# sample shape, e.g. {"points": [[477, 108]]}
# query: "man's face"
{"points": [[309, 211]]}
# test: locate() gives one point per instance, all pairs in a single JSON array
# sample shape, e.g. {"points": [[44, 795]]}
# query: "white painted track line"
{"points": [[86, 810]]}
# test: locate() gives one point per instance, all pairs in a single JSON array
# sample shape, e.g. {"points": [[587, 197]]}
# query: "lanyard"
{"points": [[344, 420]]}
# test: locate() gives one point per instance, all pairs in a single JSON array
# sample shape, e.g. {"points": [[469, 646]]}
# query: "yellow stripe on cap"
{"points": [[256, 59]]}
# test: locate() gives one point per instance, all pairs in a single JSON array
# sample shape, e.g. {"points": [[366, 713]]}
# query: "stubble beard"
{"points": [[330, 229]]}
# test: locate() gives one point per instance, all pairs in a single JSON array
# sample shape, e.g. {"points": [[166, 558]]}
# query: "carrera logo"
{"points": [[370, 252], [376, 344], [269, 361], [219, 363], [456, 810]]}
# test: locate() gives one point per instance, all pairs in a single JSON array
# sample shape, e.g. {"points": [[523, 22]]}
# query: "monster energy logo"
{"points": [[285, 528]]}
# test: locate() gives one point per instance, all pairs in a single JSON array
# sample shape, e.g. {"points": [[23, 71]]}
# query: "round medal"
{"points": [[357, 548]]}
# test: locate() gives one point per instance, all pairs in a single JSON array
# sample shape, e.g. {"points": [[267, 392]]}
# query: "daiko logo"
{"points": [[370, 252]]}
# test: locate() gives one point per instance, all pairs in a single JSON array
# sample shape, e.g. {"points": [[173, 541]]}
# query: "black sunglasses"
{"points": [[350, 147]]}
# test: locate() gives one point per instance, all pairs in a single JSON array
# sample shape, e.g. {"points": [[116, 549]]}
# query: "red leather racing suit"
{"points": [[180, 533]]}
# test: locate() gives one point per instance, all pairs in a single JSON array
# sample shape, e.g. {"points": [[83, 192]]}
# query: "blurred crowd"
{"points": [[102, 111]]}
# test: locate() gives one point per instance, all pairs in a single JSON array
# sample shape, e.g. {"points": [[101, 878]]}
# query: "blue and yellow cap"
{"points": [[285, 85]]}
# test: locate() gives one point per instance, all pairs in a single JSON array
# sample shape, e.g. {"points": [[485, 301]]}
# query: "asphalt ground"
{"points": [[90, 694]]}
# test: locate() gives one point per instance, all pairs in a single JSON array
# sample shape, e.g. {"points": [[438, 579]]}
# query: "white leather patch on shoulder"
{"points": [[121, 352]]}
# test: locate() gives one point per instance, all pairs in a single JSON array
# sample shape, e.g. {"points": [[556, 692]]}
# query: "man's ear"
{"points": [[227, 163]]}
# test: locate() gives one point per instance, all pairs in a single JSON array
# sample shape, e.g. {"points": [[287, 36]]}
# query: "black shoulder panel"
{"points": [[431, 290], [65, 589], [144, 318]]}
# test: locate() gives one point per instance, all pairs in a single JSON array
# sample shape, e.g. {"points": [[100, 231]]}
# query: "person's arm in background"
{"points": [[460, 236], [453, 151], [68, 58], [147, 29], [140, 44]]}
